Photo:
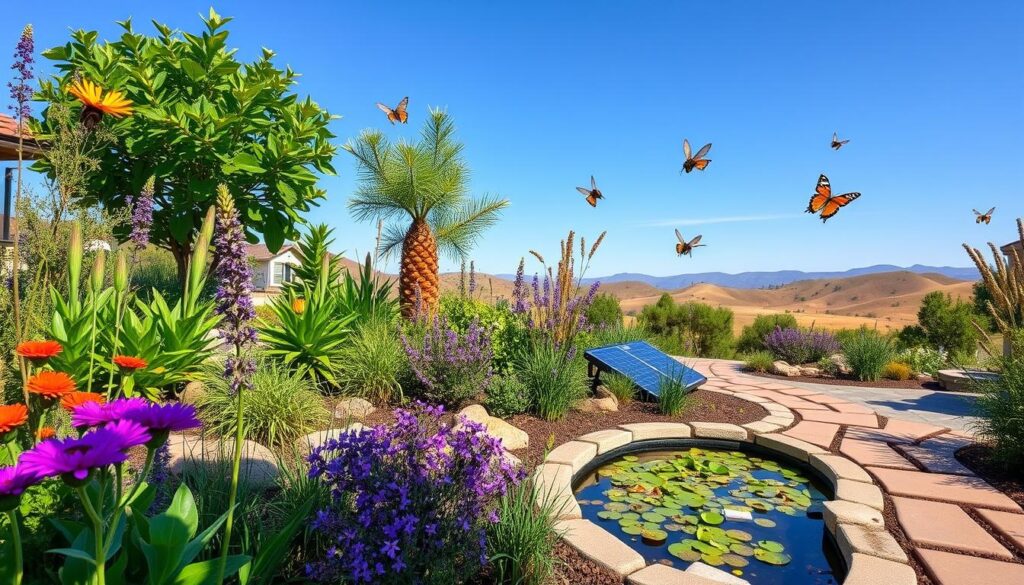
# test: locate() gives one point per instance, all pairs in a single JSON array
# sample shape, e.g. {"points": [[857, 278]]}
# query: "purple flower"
{"points": [[142, 214], [234, 291], [159, 475], [450, 367], [94, 414], [160, 418], [21, 90], [13, 482], [74, 459], [800, 347]]}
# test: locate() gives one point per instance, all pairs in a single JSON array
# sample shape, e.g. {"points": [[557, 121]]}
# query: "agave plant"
{"points": [[369, 296], [313, 248], [425, 183]]}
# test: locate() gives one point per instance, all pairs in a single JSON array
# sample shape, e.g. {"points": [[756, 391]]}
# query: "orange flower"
{"points": [[299, 305], [92, 97], [12, 416], [38, 351], [72, 401], [47, 433], [129, 362], [51, 385]]}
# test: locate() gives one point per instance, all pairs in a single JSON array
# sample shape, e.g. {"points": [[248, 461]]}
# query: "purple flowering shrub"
{"points": [[800, 347], [411, 501], [450, 367]]}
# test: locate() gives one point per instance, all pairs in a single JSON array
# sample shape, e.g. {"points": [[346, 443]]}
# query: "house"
{"points": [[272, 269], [9, 141], [1018, 246]]}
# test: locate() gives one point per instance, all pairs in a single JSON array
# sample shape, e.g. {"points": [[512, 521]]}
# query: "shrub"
{"points": [[412, 500], [553, 376], [801, 347], [507, 396], [674, 397], [752, 337], [373, 364], [614, 335], [605, 311], [450, 367], [867, 353], [1001, 406], [521, 544], [948, 324], [896, 371], [504, 328], [701, 330], [620, 386], [912, 336], [280, 407], [266, 314], [923, 360], [758, 361]]}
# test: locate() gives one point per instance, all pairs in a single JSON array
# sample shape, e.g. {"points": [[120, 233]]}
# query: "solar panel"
{"points": [[644, 364]]}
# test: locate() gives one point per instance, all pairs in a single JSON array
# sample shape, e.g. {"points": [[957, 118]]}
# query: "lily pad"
{"points": [[735, 560], [771, 546], [772, 558], [683, 552], [711, 517], [609, 515], [653, 517], [654, 537], [765, 522]]}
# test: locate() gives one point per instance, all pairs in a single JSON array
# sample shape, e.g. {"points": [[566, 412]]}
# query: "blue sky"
{"points": [[546, 94]]}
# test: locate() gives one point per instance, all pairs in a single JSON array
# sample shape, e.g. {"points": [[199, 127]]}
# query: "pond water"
{"points": [[751, 516]]}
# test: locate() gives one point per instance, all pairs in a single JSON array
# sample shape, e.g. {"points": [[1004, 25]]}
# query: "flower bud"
{"points": [[121, 272], [99, 267]]}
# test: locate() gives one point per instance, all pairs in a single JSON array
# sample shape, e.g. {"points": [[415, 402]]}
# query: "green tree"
{"points": [[422, 183], [752, 337], [701, 329], [202, 118], [948, 324], [605, 311]]}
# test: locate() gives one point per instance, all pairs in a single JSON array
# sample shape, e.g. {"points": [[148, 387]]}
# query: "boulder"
{"points": [[204, 454], [307, 443], [512, 437], [841, 365], [602, 391], [810, 371], [353, 408], [193, 391], [597, 405], [781, 368]]}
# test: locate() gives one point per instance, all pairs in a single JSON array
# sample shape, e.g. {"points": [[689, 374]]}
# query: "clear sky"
{"points": [[931, 96]]}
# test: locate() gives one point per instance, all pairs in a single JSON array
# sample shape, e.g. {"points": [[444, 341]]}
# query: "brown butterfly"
{"points": [[683, 248], [696, 160], [593, 193], [825, 202], [836, 143], [985, 218], [399, 114]]}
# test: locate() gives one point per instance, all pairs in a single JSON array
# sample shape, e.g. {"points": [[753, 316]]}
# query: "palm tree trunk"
{"points": [[418, 278]]}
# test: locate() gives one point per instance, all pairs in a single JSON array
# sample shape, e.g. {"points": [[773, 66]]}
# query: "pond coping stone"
{"points": [[869, 570], [835, 468], [861, 493], [575, 454], [709, 430], [600, 546], [714, 574], [553, 484], [658, 430], [842, 512], [607, 439], [795, 448], [854, 538]]}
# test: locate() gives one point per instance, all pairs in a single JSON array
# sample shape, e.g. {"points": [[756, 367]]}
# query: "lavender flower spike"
{"points": [[142, 214], [234, 290], [21, 89]]}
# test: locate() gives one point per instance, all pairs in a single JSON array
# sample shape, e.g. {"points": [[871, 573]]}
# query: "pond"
{"points": [[748, 515]]}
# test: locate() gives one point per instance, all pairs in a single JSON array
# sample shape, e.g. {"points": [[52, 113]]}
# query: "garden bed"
{"points": [[928, 384], [978, 458]]}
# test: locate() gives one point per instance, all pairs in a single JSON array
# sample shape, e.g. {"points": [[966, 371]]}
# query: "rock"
{"points": [[212, 455], [839, 361], [810, 371], [307, 443], [475, 412], [597, 405], [602, 391], [781, 368], [193, 391], [923, 378], [353, 408], [512, 437]]}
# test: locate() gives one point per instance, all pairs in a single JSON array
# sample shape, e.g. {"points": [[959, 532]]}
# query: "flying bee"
{"points": [[684, 248], [836, 143], [696, 161], [593, 193], [985, 218]]}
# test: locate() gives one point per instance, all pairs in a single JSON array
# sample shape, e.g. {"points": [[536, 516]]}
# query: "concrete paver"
{"points": [[945, 526], [937, 486], [817, 433], [873, 453], [953, 569], [1010, 526]]}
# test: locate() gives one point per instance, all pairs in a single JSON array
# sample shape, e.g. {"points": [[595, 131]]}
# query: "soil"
{"points": [[928, 384], [978, 458], [575, 569]]}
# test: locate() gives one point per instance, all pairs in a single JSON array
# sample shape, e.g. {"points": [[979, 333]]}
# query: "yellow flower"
{"points": [[93, 98]]}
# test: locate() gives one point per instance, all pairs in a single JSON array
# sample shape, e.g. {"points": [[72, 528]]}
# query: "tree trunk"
{"points": [[182, 254], [418, 279]]}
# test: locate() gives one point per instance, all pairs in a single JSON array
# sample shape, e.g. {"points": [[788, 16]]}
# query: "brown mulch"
{"points": [[929, 384], [575, 569], [978, 458], [704, 406]]}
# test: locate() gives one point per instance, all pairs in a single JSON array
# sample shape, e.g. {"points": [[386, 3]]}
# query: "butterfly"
{"points": [[399, 114], [593, 194], [985, 218], [696, 160], [836, 143], [825, 202], [684, 248]]}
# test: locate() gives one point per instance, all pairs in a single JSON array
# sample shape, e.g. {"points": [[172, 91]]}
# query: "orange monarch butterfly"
{"points": [[399, 114], [985, 218], [593, 194], [836, 143], [684, 248], [825, 202], [696, 160]]}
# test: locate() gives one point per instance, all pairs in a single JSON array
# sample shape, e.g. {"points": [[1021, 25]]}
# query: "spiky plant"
{"points": [[1005, 284], [423, 183]]}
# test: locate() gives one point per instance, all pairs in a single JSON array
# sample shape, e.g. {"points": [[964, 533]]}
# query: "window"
{"points": [[282, 273]]}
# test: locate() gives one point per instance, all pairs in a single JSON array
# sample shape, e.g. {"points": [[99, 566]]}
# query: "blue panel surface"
{"points": [[644, 364]]}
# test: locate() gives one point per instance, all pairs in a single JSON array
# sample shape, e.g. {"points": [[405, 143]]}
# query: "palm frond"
{"points": [[391, 239], [457, 230]]}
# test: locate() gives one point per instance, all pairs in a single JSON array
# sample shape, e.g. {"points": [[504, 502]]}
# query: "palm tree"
{"points": [[425, 183]]}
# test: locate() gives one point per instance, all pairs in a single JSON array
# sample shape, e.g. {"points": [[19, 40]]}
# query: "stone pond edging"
{"points": [[853, 518]]}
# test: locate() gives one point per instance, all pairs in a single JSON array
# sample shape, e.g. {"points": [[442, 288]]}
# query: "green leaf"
{"points": [[273, 232], [74, 553], [193, 69], [205, 573], [247, 162], [181, 227]]}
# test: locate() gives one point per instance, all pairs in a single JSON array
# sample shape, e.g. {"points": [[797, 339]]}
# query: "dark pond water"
{"points": [[751, 516]]}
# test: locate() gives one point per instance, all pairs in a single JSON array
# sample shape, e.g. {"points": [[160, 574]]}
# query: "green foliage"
{"points": [[154, 270], [758, 361], [373, 364], [895, 370], [614, 335], [621, 387], [675, 397], [867, 352], [981, 299], [507, 396], [505, 329], [368, 296], [521, 544], [554, 378], [313, 249], [922, 360], [605, 312], [912, 336], [201, 118], [280, 407], [752, 337], [828, 366], [51, 498], [1001, 406], [702, 330], [948, 324]]}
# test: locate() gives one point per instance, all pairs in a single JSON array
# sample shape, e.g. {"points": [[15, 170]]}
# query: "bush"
{"points": [[948, 324], [521, 544], [1001, 406], [701, 330], [373, 364], [923, 360], [896, 371], [912, 336], [554, 378], [758, 361], [867, 353], [620, 386], [605, 312], [155, 269], [450, 367], [828, 367], [507, 396], [505, 329], [674, 397], [752, 338], [280, 407], [614, 335], [414, 499], [801, 347]]}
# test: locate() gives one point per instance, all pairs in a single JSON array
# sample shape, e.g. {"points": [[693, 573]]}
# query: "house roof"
{"points": [[1018, 244], [260, 252], [9, 140]]}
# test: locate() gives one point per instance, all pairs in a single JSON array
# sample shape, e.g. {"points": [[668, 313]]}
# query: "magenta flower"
{"points": [[74, 459], [13, 482], [94, 414], [164, 417]]}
